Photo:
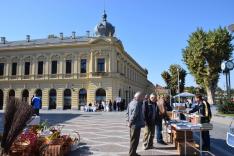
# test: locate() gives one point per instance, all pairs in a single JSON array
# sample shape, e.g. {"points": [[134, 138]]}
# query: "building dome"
{"points": [[104, 28]]}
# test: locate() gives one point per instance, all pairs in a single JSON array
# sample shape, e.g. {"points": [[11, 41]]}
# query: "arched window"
{"points": [[100, 95], [1, 99], [11, 93], [25, 95], [82, 96], [67, 99], [52, 99]]}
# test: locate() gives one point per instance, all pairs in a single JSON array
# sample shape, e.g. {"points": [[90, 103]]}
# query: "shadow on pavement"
{"points": [[220, 147], [165, 148], [83, 150], [54, 118]]}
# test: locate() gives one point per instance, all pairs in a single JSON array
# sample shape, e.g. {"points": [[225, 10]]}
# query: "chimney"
{"points": [[3, 40], [88, 33], [73, 35], [28, 38], [61, 36]]}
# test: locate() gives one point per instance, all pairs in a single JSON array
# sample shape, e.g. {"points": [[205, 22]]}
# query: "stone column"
{"points": [[60, 70], [45, 98], [75, 67], [59, 98], [74, 99], [6, 70], [33, 69], [47, 68]]}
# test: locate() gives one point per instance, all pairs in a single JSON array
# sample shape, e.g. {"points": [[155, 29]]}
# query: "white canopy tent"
{"points": [[184, 94]]}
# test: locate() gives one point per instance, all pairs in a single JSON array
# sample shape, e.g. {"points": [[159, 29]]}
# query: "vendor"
{"points": [[203, 107]]}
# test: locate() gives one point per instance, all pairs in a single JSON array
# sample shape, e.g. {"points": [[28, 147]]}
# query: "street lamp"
{"points": [[178, 81]]}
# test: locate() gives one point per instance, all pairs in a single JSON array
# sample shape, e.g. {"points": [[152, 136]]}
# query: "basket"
{"points": [[75, 140], [20, 148]]}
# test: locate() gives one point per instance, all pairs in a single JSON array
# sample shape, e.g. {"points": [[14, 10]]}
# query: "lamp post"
{"points": [[178, 80]]}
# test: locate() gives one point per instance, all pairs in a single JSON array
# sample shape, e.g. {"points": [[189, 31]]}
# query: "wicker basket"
{"points": [[22, 149]]}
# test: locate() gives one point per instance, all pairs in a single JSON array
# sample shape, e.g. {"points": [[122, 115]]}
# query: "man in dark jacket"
{"points": [[135, 119], [149, 114], [203, 107]]}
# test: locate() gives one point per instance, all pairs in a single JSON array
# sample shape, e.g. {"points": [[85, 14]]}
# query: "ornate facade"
{"points": [[67, 72]]}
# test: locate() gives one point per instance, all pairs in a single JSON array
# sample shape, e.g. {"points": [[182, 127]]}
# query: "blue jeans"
{"points": [[159, 132]]}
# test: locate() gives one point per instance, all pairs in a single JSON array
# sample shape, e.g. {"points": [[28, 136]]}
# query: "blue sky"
{"points": [[153, 31]]}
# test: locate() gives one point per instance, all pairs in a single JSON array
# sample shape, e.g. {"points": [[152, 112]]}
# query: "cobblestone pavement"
{"points": [[106, 134]]}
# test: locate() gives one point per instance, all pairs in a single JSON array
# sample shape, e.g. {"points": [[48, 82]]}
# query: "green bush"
{"points": [[226, 107]]}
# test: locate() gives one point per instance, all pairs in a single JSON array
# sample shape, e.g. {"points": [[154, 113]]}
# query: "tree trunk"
{"points": [[210, 94]]}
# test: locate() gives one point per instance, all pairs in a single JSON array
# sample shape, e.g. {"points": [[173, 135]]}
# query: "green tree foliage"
{"points": [[171, 78], [191, 89], [204, 54]]}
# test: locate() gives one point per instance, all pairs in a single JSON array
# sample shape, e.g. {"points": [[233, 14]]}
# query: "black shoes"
{"points": [[162, 143]]}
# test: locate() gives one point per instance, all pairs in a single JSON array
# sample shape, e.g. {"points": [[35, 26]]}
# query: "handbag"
{"points": [[230, 135]]}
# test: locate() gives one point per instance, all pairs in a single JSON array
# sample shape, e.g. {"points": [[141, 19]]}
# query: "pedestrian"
{"points": [[36, 104], [135, 119], [122, 105], [104, 105], [167, 103], [160, 115], [149, 114], [114, 105], [110, 105], [118, 106], [146, 98], [203, 107]]}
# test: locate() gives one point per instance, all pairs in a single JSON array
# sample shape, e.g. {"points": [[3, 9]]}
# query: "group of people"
{"points": [[106, 106], [149, 112]]}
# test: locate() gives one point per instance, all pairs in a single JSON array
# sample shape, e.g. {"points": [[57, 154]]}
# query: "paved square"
{"points": [[102, 133]]}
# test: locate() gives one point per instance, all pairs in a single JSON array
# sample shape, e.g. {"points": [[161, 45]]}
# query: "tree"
{"points": [[204, 54], [171, 78], [191, 89]]}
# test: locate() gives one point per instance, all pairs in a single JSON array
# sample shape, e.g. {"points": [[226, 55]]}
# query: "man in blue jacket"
{"points": [[135, 119], [36, 104]]}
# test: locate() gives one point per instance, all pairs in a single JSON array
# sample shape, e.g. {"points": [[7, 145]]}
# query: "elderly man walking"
{"points": [[135, 121], [149, 108]]}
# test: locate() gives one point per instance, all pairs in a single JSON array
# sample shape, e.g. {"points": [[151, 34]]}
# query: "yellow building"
{"points": [[67, 72]]}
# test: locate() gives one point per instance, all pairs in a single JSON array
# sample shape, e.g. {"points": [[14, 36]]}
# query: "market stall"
{"points": [[181, 132], [182, 95]]}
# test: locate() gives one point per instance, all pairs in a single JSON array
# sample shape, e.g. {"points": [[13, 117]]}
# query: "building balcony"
{"points": [[68, 76], [40, 76], [53, 76], [95, 74], [26, 77], [83, 75]]}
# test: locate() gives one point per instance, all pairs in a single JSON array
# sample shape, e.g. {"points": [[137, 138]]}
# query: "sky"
{"points": [[153, 32]]}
